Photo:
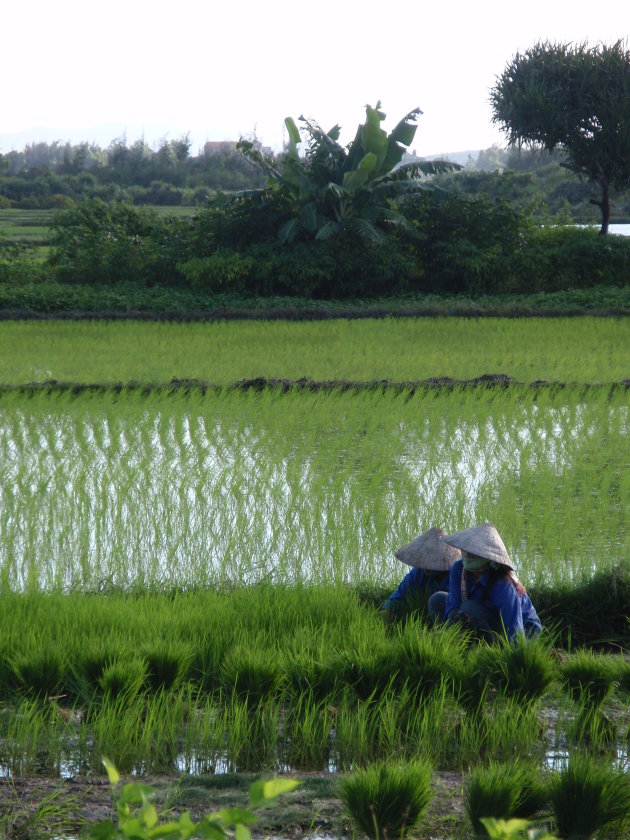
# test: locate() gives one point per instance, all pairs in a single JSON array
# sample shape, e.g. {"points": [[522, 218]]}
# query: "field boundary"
{"points": [[409, 387]]}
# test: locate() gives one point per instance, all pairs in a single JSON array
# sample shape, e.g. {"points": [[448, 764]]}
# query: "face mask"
{"points": [[474, 564]]}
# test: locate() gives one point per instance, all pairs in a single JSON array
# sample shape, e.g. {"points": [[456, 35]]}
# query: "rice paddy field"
{"points": [[191, 572]]}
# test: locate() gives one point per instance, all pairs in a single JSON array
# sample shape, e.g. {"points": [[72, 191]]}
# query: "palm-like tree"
{"points": [[333, 189]]}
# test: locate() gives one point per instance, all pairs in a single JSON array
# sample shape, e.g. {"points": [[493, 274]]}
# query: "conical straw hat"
{"points": [[429, 552], [483, 541]]}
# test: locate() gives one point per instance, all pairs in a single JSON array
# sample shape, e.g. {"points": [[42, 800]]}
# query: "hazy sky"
{"points": [[223, 69]]}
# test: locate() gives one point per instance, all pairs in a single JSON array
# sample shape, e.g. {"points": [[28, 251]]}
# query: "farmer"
{"points": [[431, 560], [484, 593]]}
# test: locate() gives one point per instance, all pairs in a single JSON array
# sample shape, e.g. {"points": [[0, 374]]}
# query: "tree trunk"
{"points": [[604, 205]]}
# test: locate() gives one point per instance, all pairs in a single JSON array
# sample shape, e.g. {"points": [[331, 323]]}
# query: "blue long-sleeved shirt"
{"points": [[414, 581], [516, 611]]}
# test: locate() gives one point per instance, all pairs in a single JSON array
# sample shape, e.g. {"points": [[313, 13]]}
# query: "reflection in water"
{"points": [[182, 495]]}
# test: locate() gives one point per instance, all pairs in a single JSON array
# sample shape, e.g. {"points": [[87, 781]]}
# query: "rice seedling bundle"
{"points": [[388, 799], [187, 490]]}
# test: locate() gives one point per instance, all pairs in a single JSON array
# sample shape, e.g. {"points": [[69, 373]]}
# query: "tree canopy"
{"points": [[574, 98]]}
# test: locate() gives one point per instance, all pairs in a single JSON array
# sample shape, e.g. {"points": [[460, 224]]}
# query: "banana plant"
{"points": [[331, 188]]}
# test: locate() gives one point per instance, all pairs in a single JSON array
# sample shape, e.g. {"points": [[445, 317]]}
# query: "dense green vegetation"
{"points": [[573, 97]]}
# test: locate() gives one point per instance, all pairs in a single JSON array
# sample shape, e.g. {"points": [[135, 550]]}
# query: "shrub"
{"points": [[104, 244], [388, 800]]}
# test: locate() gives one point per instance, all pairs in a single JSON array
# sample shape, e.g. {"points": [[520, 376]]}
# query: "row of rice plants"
{"points": [[302, 678], [586, 350], [132, 491], [389, 799]]}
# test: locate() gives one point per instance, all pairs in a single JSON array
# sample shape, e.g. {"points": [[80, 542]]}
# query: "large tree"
{"points": [[574, 98], [331, 188]]}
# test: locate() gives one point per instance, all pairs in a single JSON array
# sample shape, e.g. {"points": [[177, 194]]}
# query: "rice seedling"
{"points": [[256, 467], [307, 733], [317, 673], [252, 734], [167, 664], [400, 349], [53, 816], [123, 678], [503, 791], [118, 730], [251, 673], [356, 727], [40, 672], [588, 677], [523, 669], [388, 799], [428, 658], [26, 735], [587, 795], [501, 731]]}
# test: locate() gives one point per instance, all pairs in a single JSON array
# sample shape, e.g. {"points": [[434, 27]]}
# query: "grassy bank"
{"points": [[33, 298]]}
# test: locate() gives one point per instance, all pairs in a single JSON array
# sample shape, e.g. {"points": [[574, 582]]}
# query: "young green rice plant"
{"points": [[587, 796], [26, 735], [40, 672], [86, 466], [523, 669], [252, 734], [165, 716], [504, 730], [123, 678], [472, 687], [203, 738], [387, 799], [503, 791], [591, 728], [427, 659], [369, 670], [88, 666], [588, 677], [55, 815], [252, 673], [315, 672], [118, 730], [167, 664], [307, 732], [356, 730]]}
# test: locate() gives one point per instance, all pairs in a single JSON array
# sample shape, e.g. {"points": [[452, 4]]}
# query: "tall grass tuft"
{"points": [[503, 791], [587, 796], [387, 800]]}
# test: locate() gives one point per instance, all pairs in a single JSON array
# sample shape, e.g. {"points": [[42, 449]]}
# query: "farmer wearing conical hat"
{"points": [[431, 560], [484, 593]]}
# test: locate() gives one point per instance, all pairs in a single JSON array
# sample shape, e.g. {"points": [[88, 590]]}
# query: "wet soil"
{"points": [[43, 807]]}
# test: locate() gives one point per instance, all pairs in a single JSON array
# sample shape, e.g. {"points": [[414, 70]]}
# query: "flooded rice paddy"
{"points": [[192, 490]]}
